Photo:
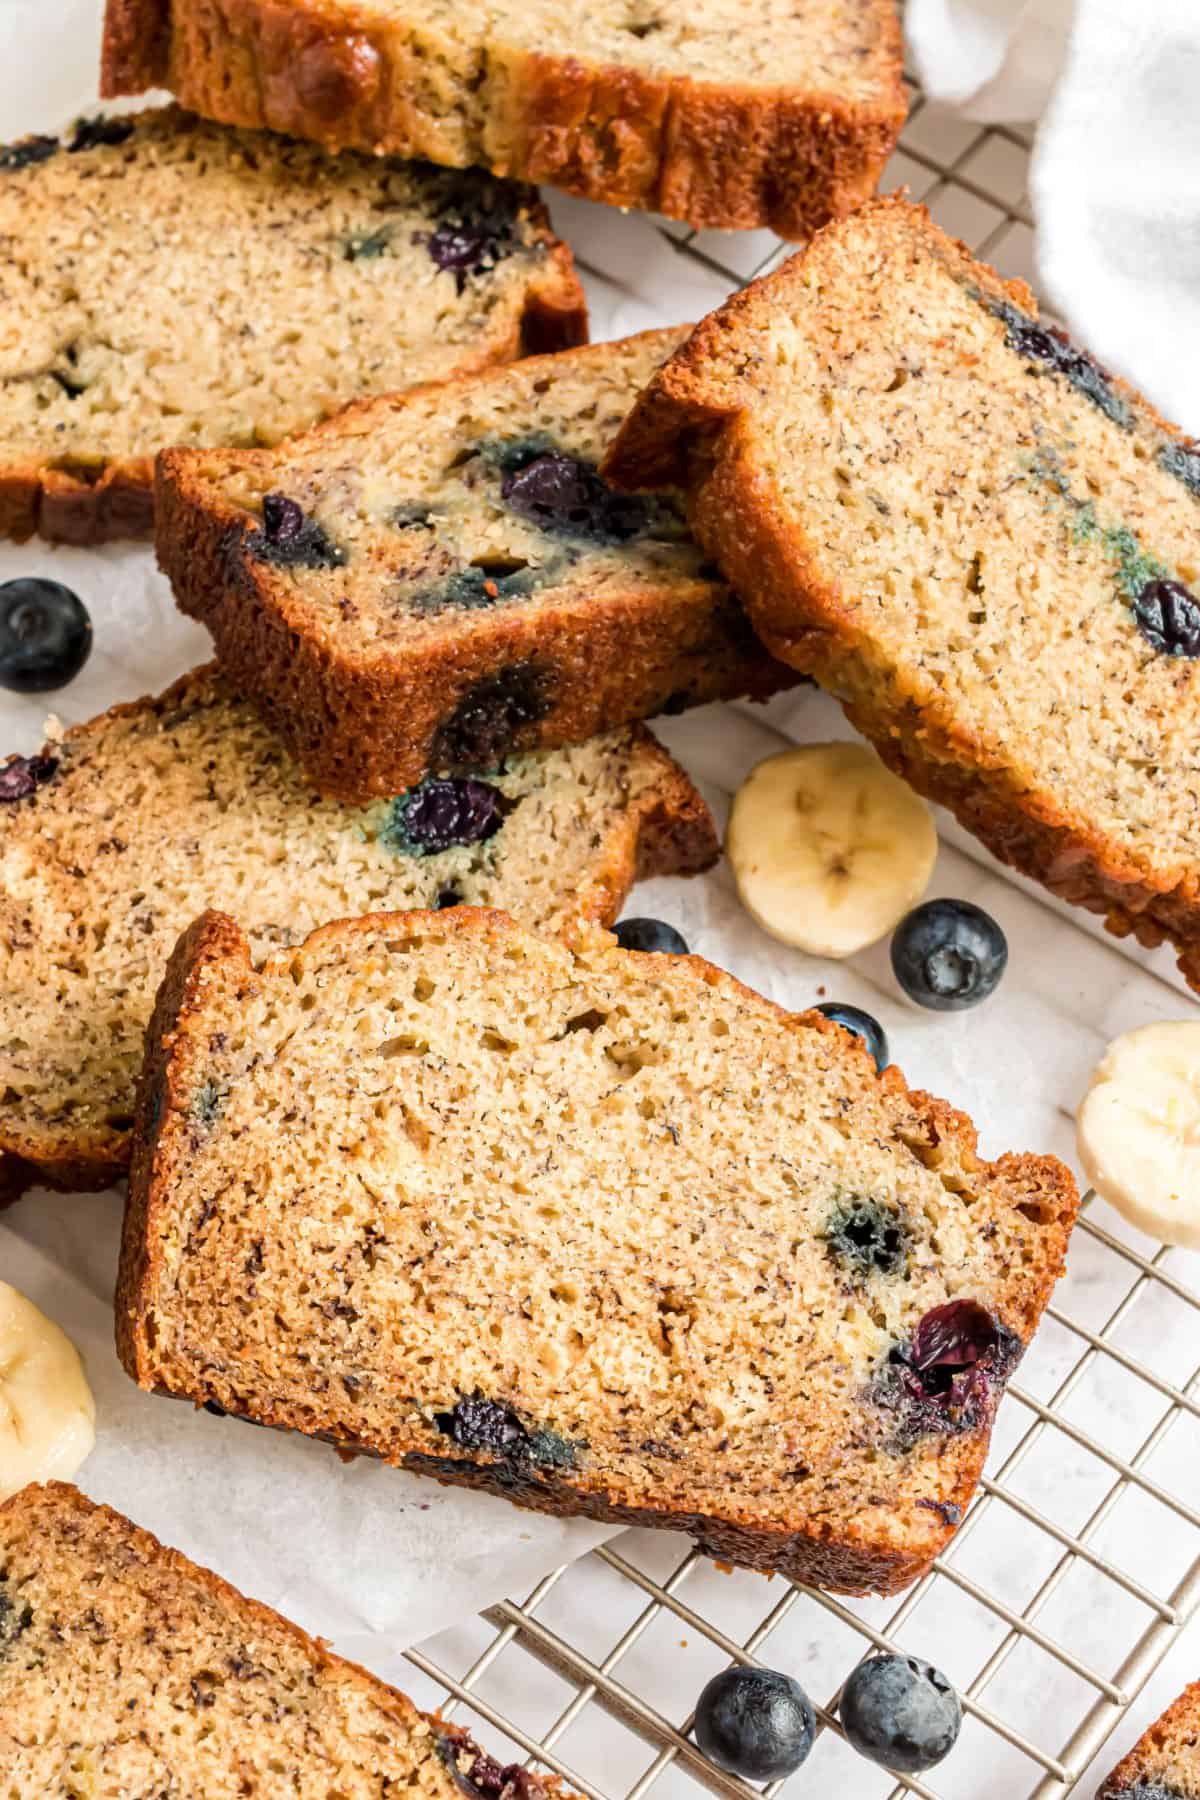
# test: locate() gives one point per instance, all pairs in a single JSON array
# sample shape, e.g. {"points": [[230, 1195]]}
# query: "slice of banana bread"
{"points": [[434, 580], [600, 1230], [1164, 1764], [117, 835], [126, 1670], [720, 112], [169, 282], [986, 546]]}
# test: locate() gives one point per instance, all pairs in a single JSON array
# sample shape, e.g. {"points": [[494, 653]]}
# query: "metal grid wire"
{"points": [[973, 179]]}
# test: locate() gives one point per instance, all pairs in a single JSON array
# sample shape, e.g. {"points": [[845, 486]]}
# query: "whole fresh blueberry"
{"points": [[901, 1713], [861, 1023], [45, 635], [755, 1723], [948, 955], [650, 934]]}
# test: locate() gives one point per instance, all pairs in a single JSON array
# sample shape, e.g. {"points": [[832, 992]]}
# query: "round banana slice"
{"points": [[1138, 1130], [47, 1414], [829, 849]]}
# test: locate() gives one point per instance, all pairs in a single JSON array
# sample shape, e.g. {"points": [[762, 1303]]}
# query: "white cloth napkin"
{"points": [[1113, 184]]}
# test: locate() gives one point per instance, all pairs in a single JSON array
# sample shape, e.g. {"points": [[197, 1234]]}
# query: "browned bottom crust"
{"points": [[856, 1561], [727, 155]]}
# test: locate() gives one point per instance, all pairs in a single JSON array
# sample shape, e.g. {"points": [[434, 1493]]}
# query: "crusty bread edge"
{"points": [[69, 1502], [732, 155], [690, 425], [365, 724], [1183, 1715], [667, 829], [215, 948]]}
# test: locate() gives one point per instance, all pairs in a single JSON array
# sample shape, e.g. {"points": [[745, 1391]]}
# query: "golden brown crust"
{"points": [[687, 428], [849, 1558], [1175, 1735], [726, 155], [50, 1505]]}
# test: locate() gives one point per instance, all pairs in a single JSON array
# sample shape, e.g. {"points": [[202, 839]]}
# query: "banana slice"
{"points": [[1138, 1130], [47, 1414], [829, 849]]}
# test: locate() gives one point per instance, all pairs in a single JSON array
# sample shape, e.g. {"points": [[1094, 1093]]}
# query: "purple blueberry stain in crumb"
{"points": [[1182, 460], [477, 224], [23, 775], [565, 496], [290, 539], [443, 815], [946, 1379], [1168, 617], [491, 716], [1050, 346]]}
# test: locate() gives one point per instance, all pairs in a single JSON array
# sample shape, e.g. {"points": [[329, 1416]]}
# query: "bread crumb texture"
{"points": [[126, 1670], [602, 1230], [129, 826], [1164, 1764]]}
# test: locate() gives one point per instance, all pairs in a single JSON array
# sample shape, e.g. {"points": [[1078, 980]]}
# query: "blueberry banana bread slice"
{"points": [[116, 836], [721, 112], [127, 1670], [1164, 1764], [433, 580], [982, 543], [600, 1230], [170, 282]]}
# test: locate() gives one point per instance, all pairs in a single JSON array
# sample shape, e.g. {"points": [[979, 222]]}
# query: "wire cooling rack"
{"points": [[1077, 1564]]}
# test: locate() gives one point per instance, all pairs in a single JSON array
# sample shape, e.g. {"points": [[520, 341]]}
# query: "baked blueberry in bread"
{"points": [[1164, 1764], [431, 581], [985, 545], [115, 836], [598, 1229], [747, 114], [170, 282], [127, 1670]]}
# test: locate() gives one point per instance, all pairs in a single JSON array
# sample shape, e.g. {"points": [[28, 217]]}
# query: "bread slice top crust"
{"points": [[724, 112], [1164, 1764], [127, 1670], [604, 1231], [372, 582], [986, 545], [117, 835], [172, 282]]}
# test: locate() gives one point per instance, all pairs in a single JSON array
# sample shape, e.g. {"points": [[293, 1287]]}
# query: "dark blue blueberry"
{"points": [[29, 151], [21, 776], [650, 934], [946, 1378], [948, 955], [14, 1619], [755, 1723], [1050, 345], [491, 715], [45, 635], [1168, 617], [866, 1238], [478, 224], [901, 1713], [475, 1773], [447, 897], [290, 540], [862, 1025], [90, 133], [439, 815], [565, 496]]}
